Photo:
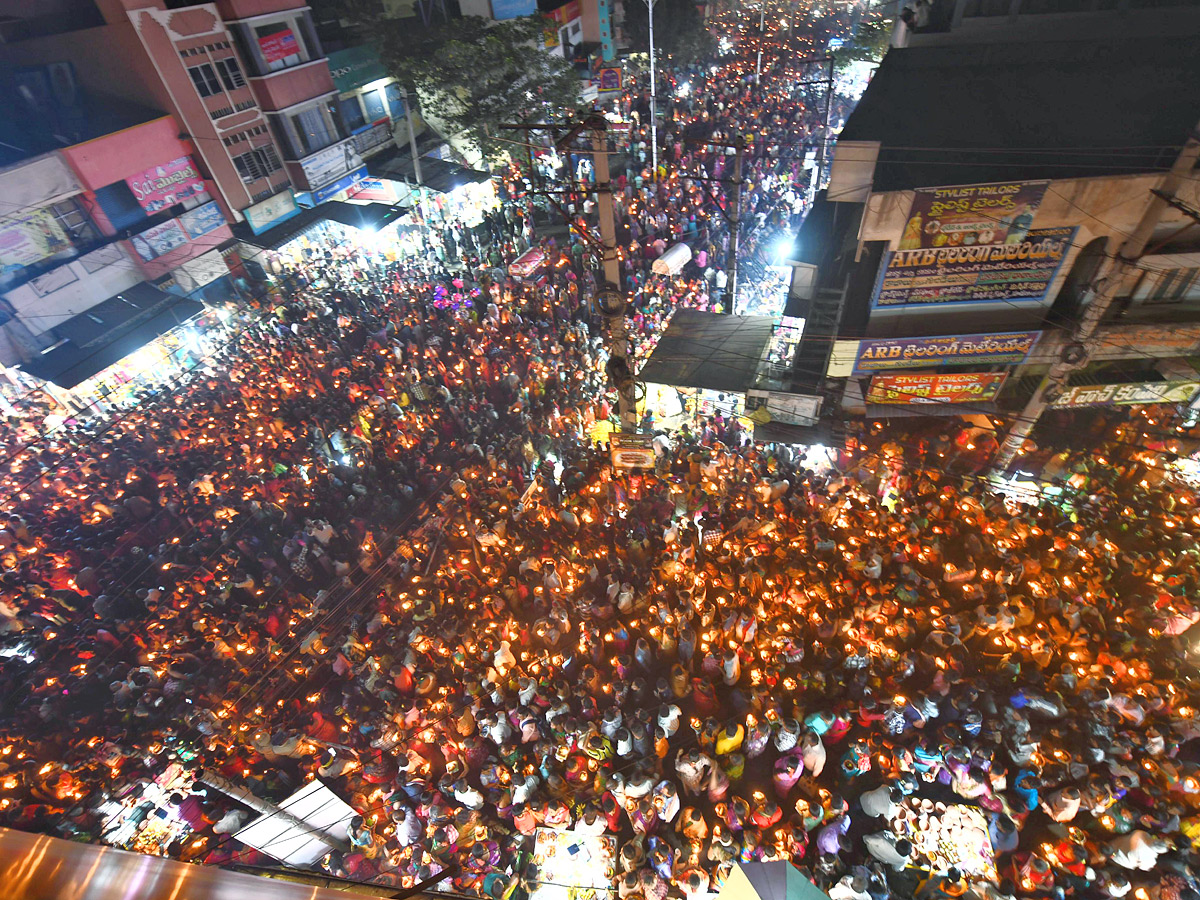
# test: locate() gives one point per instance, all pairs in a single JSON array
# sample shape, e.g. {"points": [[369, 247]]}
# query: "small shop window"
{"points": [[352, 113]]}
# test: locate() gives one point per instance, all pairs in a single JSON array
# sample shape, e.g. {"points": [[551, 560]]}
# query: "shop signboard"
{"points": [[346, 182], [330, 164], [202, 220], [279, 45], [271, 211], [632, 451], [380, 189], [789, 409], [165, 185], [1128, 394], [966, 387], [972, 214], [608, 79], [159, 240], [30, 237], [512, 9], [355, 66], [1009, 348], [995, 273]]}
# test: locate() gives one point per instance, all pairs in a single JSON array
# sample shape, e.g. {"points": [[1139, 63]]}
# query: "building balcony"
{"points": [[287, 87]]}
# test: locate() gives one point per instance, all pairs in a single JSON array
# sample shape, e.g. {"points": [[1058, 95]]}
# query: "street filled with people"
{"points": [[376, 539]]}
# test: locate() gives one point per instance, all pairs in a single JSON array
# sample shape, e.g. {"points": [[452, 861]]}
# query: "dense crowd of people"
{"points": [[374, 541]]}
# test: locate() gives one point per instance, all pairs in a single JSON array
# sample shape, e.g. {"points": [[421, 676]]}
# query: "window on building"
{"points": [[75, 222], [257, 163], [1174, 286], [374, 103], [231, 73], [314, 129], [395, 100], [352, 113], [205, 80]]}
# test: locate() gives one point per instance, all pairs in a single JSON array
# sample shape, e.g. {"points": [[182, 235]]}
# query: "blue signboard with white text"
{"points": [[513, 9]]}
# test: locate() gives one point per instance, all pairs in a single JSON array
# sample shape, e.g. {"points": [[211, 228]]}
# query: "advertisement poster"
{"points": [[512, 9], [1005, 273], [330, 164], [374, 189], [154, 242], [972, 214], [608, 79], [279, 45], [202, 220], [969, 387], [165, 185], [1129, 394], [1009, 348], [29, 238]]}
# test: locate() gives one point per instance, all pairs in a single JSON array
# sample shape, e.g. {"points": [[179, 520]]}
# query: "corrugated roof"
{"points": [[970, 114], [708, 350]]}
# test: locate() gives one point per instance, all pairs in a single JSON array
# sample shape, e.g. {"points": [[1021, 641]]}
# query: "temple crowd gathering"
{"points": [[374, 539]]}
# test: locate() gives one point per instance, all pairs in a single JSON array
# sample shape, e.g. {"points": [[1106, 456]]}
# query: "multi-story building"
{"points": [[977, 190], [141, 136]]}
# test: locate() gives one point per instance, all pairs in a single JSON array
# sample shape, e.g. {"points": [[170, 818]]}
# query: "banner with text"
{"points": [[28, 238], [1129, 394], [966, 349], [968, 387], [165, 185], [972, 214], [1004, 273], [279, 45]]}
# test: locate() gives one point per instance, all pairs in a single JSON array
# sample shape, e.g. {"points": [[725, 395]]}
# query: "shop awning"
{"points": [[710, 351], [109, 331], [438, 175], [915, 410], [365, 216]]}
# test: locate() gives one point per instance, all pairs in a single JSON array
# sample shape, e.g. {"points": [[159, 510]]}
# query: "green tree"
{"points": [[474, 74], [679, 30], [870, 41]]}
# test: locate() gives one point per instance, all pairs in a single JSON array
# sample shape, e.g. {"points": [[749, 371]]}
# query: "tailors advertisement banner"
{"points": [[1003, 273], [972, 214], [967, 349], [968, 387], [1129, 394]]}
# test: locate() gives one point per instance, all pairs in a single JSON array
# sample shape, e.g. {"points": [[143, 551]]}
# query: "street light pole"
{"points": [[653, 96], [762, 29]]}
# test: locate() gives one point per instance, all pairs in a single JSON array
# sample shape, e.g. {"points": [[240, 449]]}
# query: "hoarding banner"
{"points": [[271, 211], [608, 79], [202, 220], [29, 238], [972, 214], [330, 164], [279, 45], [165, 185], [632, 451], [381, 189], [1003, 273], [911, 353], [161, 239], [513, 9], [968, 387], [1129, 394]]}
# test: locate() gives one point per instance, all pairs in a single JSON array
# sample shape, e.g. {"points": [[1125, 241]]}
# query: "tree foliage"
{"points": [[679, 30], [868, 44], [474, 74]]}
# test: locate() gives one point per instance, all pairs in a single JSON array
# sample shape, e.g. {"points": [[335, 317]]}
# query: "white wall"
{"points": [[37, 182], [71, 289]]}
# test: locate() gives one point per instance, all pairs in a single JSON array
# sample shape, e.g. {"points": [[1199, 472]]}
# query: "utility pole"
{"points": [[762, 33], [735, 227], [412, 147], [611, 299], [1104, 289], [653, 96]]}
